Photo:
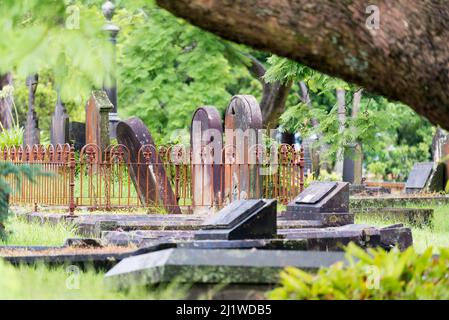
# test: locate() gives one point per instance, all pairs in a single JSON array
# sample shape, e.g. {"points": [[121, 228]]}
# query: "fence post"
{"points": [[72, 180]]}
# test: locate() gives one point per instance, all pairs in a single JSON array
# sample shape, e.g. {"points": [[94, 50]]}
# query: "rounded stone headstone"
{"points": [[243, 120], [206, 140]]}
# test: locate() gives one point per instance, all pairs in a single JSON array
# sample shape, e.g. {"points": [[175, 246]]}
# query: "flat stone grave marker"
{"points": [[315, 192], [243, 119], [206, 140], [327, 202], [148, 176], [418, 177], [242, 219], [31, 135], [215, 266]]}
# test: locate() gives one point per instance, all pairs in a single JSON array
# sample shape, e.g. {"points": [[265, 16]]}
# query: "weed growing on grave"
{"points": [[22, 233], [375, 274]]}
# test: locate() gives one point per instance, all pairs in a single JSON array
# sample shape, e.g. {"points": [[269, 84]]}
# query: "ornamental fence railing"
{"points": [[165, 179]]}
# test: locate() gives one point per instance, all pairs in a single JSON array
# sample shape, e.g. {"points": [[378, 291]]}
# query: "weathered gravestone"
{"points": [[32, 132], [440, 150], [327, 202], [97, 119], [77, 134], [243, 120], [59, 124], [206, 140], [242, 219], [202, 266], [147, 170], [426, 176]]}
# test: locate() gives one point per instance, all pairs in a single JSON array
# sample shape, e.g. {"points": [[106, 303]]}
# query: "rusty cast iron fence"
{"points": [[164, 179]]}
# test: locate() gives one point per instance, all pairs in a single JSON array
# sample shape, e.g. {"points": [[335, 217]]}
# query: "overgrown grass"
{"points": [[40, 282], [22, 233], [436, 236]]}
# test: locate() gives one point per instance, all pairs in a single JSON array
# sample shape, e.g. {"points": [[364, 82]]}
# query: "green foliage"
{"points": [[67, 283], [169, 68], [392, 135], [49, 35], [17, 173], [375, 274]]}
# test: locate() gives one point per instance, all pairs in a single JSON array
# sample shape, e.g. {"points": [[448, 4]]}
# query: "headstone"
{"points": [[59, 124], [419, 177], [438, 178], [327, 202], [230, 266], [148, 175], [206, 140], [352, 164], [32, 132], [77, 134], [243, 120], [242, 219], [440, 150], [97, 119], [6, 101]]}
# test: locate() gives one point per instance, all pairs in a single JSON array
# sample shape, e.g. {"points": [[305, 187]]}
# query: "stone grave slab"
{"points": [[59, 133], [327, 202], [242, 219], [419, 176], [148, 175], [77, 134], [206, 140], [215, 266], [243, 120]]}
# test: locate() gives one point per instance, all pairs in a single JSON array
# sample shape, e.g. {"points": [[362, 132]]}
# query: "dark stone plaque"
{"points": [[244, 219], [315, 192], [147, 170], [418, 177], [206, 140], [233, 214], [326, 202]]}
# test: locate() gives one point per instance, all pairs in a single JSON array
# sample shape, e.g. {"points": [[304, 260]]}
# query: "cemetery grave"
{"points": [[311, 232]]}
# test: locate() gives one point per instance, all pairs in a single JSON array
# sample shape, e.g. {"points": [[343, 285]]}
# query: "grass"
{"points": [[22, 233], [70, 283], [435, 236]]}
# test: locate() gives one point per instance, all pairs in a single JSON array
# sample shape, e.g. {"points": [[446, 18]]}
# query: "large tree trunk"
{"points": [[274, 95], [6, 103], [406, 59]]}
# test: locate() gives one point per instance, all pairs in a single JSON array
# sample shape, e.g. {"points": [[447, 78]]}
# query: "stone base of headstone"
{"points": [[206, 266]]}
